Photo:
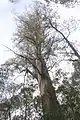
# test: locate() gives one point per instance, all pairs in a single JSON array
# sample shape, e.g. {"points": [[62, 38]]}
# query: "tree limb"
{"points": [[67, 41], [27, 70], [25, 57]]}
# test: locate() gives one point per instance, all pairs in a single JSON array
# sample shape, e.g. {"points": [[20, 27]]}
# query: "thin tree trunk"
{"points": [[9, 115], [5, 116], [25, 117]]}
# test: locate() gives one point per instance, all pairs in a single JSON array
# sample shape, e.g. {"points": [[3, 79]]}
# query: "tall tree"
{"points": [[39, 52], [35, 54]]}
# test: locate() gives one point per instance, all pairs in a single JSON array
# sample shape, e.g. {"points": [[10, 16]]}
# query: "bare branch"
{"points": [[67, 41], [27, 70], [25, 57]]}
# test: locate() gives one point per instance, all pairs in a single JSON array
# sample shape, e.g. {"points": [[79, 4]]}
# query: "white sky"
{"points": [[7, 23]]}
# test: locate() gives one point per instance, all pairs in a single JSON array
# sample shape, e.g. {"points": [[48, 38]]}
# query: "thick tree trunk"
{"points": [[50, 105], [51, 108]]}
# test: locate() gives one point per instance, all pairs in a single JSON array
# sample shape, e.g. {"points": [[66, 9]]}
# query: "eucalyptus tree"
{"points": [[35, 55], [36, 51]]}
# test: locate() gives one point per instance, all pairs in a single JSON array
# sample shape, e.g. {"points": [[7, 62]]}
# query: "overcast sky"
{"points": [[7, 23]]}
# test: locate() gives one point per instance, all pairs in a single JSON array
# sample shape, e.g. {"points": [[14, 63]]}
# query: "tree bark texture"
{"points": [[50, 105]]}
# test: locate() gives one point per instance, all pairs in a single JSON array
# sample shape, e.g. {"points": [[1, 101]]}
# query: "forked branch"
{"points": [[25, 57]]}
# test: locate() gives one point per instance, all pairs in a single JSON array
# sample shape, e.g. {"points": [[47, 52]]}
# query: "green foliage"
{"points": [[70, 95]]}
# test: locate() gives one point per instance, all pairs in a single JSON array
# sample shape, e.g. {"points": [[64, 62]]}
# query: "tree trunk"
{"points": [[25, 117], [9, 115], [50, 105]]}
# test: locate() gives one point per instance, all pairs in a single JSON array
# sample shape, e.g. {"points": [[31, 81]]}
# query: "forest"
{"points": [[42, 79]]}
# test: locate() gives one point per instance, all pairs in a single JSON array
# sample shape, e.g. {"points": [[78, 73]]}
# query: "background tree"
{"points": [[69, 94]]}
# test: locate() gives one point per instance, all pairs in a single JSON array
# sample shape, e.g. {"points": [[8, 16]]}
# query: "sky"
{"points": [[7, 23]]}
